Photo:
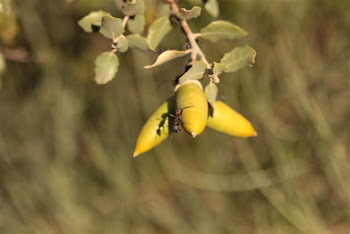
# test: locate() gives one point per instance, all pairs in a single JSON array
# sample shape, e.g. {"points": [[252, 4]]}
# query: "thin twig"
{"points": [[115, 40], [189, 34], [120, 5], [125, 21], [196, 50]]}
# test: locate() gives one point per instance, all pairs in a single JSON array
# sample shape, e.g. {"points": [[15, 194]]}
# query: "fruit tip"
{"points": [[135, 155], [193, 134], [255, 134]]}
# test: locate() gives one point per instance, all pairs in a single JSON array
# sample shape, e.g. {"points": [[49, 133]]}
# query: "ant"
{"points": [[177, 119]]}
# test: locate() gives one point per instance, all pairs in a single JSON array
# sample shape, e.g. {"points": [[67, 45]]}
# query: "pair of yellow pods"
{"points": [[194, 119]]}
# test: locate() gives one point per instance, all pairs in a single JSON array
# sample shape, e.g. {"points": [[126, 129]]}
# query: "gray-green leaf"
{"points": [[133, 8], [122, 45], [92, 22], [218, 30], [137, 24], [196, 72], [111, 27], [185, 14], [162, 10], [138, 42], [218, 68], [211, 91], [167, 56], [212, 7], [106, 66], [238, 58], [157, 31]]}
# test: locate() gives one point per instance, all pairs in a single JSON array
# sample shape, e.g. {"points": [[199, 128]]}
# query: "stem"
{"points": [[196, 50], [194, 45], [125, 21]]}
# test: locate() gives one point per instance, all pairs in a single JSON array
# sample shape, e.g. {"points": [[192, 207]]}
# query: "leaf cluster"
{"points": [[214, 32], [106, 64]]}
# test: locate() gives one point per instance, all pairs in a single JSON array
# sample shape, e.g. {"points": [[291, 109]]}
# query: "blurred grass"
{"points": [[66, 143]]}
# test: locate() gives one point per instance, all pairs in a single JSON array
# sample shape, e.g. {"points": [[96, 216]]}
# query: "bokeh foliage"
{"points": [[66, 143]]}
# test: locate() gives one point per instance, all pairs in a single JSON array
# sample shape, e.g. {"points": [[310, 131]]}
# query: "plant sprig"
{"points": [[196, 50], [125, 33], [106, 64]]}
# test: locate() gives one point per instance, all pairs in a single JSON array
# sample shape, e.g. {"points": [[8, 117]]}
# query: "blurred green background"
{"points": [[66, 143]]}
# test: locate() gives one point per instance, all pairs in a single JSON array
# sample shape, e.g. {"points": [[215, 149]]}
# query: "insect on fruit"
{"points": [[177, 119]]}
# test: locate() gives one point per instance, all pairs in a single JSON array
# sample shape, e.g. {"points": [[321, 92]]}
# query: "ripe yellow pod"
{"points": [[190, 95], [156, 128], [228, 121]]}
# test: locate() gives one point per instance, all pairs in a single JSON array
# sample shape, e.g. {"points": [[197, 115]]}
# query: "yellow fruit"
{"points": [[194, 118], [228, 121], [156, 128]]}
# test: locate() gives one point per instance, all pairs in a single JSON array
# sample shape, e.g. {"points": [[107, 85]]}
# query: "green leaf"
{"points": [[157, 31], [133, 8], [238, 58], [122, 45], [196, 72], [106, 66], [211, 90], [218, 30], [185, 14], [111, 27], [137, 24], [92, 22], [218, 68], [167, 56], [212, 7], [162, 10], [138, 42]]}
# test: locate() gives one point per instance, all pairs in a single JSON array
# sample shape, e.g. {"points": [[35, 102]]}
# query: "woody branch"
{"points": [[196, 50]]}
